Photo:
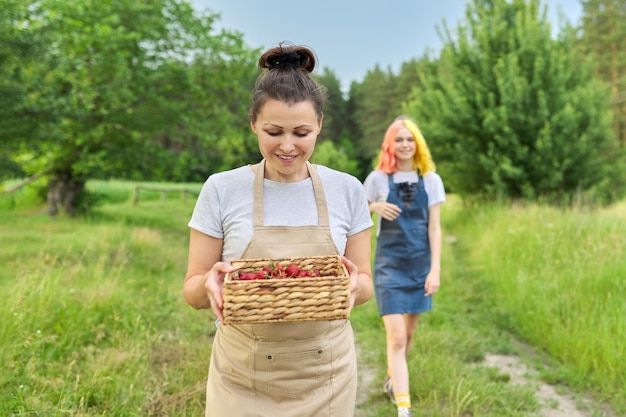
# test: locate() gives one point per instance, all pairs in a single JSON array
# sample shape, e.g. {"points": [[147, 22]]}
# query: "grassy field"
{"points": [[93, 321], [557, 280]]}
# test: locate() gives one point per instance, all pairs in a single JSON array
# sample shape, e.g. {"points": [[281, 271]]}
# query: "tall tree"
{"points": [[124, 85], [374, 105], [513, 113], [604, 38], [335, 109], [408, 78], [18, 48]]}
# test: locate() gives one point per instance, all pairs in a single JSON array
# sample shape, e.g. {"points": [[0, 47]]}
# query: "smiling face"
{"points": [[287, 135], [404, 149]]}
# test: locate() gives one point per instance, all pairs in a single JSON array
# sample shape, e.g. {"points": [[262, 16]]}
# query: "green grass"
{"points": [[93, 321], [557, 280]]}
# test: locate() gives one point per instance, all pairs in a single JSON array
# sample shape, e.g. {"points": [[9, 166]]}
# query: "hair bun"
{"points": [[289, 59]]}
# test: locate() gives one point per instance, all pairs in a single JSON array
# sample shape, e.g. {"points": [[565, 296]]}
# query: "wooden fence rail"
{"points": [[164, 191]]}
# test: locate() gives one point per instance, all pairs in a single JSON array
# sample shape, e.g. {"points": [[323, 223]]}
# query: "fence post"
{"points": [[136, 196]]}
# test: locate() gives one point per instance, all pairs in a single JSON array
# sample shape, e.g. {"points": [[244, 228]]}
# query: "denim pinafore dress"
{"points": [[402, 260]]}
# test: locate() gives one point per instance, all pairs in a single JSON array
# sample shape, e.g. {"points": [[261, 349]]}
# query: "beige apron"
{"points": [[299, 369]]}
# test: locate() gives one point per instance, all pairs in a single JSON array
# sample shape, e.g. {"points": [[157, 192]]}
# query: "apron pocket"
{"points": [[291, 373]]}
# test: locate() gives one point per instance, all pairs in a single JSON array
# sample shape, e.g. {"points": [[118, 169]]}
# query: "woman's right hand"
{"points": [[214, 285], [387, 211]]}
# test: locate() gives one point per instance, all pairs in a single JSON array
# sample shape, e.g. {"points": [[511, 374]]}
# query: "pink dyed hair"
{"points": [[422, 161]]}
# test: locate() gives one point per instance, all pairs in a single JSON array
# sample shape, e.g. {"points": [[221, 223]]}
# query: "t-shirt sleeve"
{"points": [[434, 188], [374, 189], [206, 216], [370, 189]]}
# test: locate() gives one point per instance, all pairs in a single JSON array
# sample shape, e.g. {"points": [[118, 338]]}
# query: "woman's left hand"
{"points": [[355, 282], [432, 283]]}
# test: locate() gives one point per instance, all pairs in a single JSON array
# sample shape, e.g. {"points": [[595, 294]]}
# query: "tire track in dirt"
{"points": [[553, 403]]}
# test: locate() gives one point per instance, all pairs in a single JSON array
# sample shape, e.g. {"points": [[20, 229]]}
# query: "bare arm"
{"points": [[205, 273], [387, 211], [434, 237], [357, 261]]}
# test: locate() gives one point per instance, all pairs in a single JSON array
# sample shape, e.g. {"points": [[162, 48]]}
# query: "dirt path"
{"points": [[553, 403], [367, 384]]}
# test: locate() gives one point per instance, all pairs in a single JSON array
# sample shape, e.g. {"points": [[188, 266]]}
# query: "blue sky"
{"points": [[351, 37]]}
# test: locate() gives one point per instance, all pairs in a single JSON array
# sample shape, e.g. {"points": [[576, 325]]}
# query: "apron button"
{"points": [[319, 351], [269, 357]]}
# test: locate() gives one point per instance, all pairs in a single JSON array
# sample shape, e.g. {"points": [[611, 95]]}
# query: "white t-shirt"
{"points": [[377, 186], [225, 207]]}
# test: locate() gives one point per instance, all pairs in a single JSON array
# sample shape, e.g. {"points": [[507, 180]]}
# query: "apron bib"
{"points": [[402, 259], [299, 369]]}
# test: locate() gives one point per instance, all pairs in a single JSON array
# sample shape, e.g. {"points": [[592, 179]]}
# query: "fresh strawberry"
{"points": [[272, 271], [292, 270]]}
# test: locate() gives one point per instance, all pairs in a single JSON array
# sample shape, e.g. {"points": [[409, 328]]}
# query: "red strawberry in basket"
{"points": [[277, 272], [267, 271], [292, 270], [280, 272]]}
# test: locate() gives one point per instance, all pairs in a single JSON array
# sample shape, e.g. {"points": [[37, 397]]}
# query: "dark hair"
{"points": [[286, 76]]}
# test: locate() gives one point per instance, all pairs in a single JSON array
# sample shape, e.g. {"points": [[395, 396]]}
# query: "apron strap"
{"points": [[320, 198]]}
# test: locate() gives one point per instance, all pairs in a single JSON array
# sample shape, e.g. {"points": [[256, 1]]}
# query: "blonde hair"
{"points": [[387, 162]]}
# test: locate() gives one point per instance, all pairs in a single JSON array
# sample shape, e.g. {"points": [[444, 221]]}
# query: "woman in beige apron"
{"points": [[289, 369], [304, 369]]}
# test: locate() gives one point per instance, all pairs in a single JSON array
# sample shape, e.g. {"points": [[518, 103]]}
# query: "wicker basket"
{"points": [[324, 297]]}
